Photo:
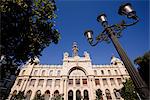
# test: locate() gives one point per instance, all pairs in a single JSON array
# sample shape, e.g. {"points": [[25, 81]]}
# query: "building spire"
{"points": [[75, 49]]}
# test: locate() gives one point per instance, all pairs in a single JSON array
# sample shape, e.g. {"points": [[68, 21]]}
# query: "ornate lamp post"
{"points": [[112, 33]]}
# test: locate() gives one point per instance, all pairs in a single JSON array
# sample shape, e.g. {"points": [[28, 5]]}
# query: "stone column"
{"points": [[61, 86], [91, 92], [108, 81], [74, 94], [34, 91], [23, 84], [112, 94], [116, 82], [44, 84], [82, 94], [53, 85], [81, 83], [65, 89], [74, 82]]}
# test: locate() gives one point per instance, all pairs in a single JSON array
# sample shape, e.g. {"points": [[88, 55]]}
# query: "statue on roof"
{"points": [[75, 49]]}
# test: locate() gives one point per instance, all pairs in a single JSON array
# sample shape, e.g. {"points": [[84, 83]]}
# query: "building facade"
{"points": [[76, 79]]}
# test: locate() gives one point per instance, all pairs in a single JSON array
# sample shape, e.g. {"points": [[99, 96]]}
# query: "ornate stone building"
{"points": [[77, 79]]}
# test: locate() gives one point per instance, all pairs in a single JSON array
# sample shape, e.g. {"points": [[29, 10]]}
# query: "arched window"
{"points": [[50, 72], [108, 95], [13, 95], [58, 73], [43, 72], [28, 95], [35, 72], [95, 72], [70, 95], [99, 95], [47, 95], [78, 95], [102, 72], [86, 95], [117, 93]]}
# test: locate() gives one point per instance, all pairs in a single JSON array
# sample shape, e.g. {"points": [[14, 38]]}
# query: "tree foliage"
{"points": [[144, 64], [128, 91], [27, 27]]}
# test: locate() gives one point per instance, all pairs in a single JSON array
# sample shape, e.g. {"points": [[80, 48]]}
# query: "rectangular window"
{"points": [[77, 81], [57, 82], [105, 82], [112, 81], [119, 81], [19, 82], [41, 81], [32, 82], [84, 81], [97, 82], [70, 82], [49, 82]]}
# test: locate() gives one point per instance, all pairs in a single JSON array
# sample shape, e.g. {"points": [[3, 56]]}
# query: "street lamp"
{"points": [[113, 32]]}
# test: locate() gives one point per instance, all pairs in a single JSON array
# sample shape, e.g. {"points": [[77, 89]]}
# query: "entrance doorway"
{"points": [[70, 95], [86, 95], [78, 95]]}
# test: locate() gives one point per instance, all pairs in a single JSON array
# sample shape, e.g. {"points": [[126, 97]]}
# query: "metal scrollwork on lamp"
{"points": [[112, 33]]}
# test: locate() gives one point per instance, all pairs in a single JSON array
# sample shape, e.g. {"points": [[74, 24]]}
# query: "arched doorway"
{"points": [[47, 95], [108, 95], [99, 94], [13, 95], [86, 95], [28, 95], [78, 95], [56, 94], [38, 95], [117, 93], [70, 95]]}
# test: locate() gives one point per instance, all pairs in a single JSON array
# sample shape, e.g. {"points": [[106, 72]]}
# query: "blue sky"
{"points": [[76, 16]]}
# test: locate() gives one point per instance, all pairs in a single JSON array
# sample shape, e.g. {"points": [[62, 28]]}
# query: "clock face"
{"points": [[77, 72]]}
